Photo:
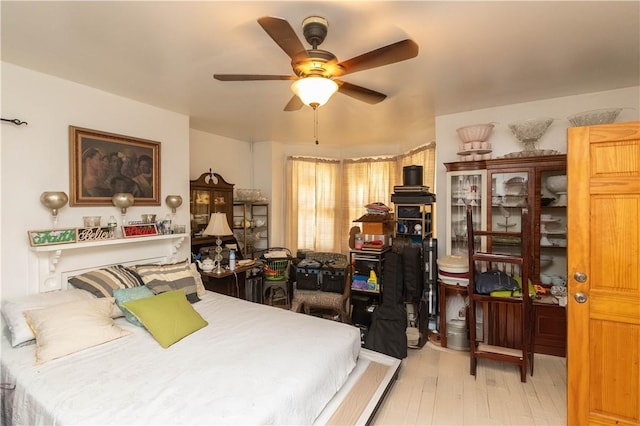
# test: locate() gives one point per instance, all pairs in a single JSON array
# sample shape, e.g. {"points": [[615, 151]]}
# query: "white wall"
{"points": [[35, 158], [230, 158], [503, 141]]}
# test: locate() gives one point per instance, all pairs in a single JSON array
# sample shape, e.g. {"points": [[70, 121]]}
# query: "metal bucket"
{"points": [[457, 335]]}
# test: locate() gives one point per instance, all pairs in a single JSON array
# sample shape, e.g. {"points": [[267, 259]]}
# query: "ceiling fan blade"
{"points": [[360, 93], [396, 52], [281, 32], [252, 77], [294, 104]]}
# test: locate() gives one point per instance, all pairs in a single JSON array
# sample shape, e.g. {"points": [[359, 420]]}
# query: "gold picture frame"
{"points": [[103, 164]]}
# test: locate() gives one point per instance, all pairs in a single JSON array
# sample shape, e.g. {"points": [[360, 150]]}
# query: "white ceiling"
{"points": [[472, 55]]}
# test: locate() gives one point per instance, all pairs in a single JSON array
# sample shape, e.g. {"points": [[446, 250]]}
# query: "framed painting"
{"points": [[103, 164]]}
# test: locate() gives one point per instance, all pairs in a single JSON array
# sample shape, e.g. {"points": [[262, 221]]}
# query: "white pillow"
{"points": [[71, 327], [12, 310]]}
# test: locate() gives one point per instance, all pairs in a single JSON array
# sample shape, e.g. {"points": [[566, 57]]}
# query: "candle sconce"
{"points": [[54, 200]]}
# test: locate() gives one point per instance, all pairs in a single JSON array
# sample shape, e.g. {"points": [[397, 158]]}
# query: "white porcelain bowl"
{"points": [[475, 132], [593, 117], [557, 183]]}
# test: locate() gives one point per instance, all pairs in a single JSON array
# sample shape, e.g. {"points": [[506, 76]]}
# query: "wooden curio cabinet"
{"points": [[210, 193], [507, 186]]}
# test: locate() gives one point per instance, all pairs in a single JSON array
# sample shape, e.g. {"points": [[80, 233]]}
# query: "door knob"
{"points": [[580, 297], [581, 277]]}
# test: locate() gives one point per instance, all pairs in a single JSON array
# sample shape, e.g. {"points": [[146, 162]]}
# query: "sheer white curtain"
{"points": [[324, 197], [313, 196], [366, 181]]}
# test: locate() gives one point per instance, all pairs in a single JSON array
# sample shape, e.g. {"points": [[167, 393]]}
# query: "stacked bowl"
{"points": [[474, 145]]}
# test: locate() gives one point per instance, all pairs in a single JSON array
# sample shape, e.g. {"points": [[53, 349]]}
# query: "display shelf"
{"points": [[511, 184], [251, 227], [475, 151], [55, 263], [413, 221], [115, 241], [55, 251]]}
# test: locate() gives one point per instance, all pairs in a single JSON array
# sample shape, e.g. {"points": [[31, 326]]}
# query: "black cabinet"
{"points": [[367, 284]]}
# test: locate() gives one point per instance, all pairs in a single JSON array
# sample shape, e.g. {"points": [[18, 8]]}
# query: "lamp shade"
{"points": [[218, 225], [314, 91]]}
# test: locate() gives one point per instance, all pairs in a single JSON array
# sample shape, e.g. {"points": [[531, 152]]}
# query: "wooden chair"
{"points": [[520, 307]]}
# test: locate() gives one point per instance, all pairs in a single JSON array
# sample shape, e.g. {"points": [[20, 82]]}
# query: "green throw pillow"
{"points": [[168, 316]]}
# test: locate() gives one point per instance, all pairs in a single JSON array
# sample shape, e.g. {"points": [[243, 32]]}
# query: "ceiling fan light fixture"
{"points": [[314, 91]]}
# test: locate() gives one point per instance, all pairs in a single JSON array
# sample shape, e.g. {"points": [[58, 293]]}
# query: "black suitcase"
{"points": [[332, 281]]}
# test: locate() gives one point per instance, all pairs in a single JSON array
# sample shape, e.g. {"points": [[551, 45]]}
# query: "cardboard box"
{"points": [[377, 228]]}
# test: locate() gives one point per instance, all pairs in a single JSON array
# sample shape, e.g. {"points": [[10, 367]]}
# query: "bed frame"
{"points": [[51, 267]]}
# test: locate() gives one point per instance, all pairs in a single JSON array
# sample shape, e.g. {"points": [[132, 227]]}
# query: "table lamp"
{"points": [[218, 227]]}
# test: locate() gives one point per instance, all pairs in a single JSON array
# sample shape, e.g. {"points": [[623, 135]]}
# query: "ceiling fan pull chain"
{"points": [[315, 124]]}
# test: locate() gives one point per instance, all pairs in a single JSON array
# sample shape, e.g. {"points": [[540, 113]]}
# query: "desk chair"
{"points": [[520, 305]]}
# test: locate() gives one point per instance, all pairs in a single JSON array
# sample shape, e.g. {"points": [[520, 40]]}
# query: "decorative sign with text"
{"points": [[95, 234], [47, 237], [139, 230]]}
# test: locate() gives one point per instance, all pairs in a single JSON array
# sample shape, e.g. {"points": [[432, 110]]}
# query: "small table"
{"points": [[231, 283], [445, 290]]}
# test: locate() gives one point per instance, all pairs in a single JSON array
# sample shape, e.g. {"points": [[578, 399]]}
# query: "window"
{"points": [[313, 192], [325, 196]]}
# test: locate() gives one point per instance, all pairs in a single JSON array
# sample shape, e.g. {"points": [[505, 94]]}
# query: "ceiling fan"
{"points": [[320, 66]]}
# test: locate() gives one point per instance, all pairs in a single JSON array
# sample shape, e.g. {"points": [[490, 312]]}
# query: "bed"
{"points": [[251, 364]]}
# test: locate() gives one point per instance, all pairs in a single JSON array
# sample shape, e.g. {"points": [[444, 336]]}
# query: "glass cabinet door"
{"points": [[200, 210], [464, 188], [553, 228], [509, 195]]}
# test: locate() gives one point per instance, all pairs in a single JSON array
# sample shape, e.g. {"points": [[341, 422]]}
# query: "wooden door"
{"points": [[604, 244]]}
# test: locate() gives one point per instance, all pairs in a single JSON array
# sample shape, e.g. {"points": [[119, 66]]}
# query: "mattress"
{"points": [[253, 364]]}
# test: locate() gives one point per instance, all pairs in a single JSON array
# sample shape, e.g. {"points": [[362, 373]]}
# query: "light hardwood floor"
{"points": [[434, 387]]}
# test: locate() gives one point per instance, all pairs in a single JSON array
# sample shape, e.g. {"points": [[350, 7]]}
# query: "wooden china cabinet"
{"points": [[509, 185], [210, 193]]}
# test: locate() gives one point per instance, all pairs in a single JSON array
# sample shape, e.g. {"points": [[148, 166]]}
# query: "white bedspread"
{"points": [[252, 364]]}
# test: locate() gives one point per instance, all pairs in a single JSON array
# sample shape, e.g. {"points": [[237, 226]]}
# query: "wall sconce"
{"points": [[54, 200], [123, 200], [173, 201]]}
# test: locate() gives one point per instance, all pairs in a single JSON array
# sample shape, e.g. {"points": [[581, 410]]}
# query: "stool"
{"points": [[275, 288], [275, 292]]}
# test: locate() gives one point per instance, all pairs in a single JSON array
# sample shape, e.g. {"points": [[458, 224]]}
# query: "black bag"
{"points": [[388, 331], [413, 273], [332, 281], [307, 279], [494, 280]]}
